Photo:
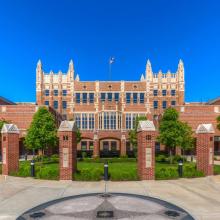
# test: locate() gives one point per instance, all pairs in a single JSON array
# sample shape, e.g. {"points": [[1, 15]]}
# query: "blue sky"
{"points": [[90, 31]]}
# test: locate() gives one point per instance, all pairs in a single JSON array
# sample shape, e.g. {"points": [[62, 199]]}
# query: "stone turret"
{"points": [[149, 72], [70, 72], [180, 71]]}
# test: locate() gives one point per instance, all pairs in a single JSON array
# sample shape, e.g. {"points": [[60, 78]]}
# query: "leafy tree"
{"points": [[2, 122], [133, 133], [42, 132], [218, 122], [173, 133]]}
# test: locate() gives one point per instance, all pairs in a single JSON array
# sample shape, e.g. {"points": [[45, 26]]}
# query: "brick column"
{"points": [[10, 149], [123, 145], [67, 149], [205, 148], [146, 150], [96, 150]]}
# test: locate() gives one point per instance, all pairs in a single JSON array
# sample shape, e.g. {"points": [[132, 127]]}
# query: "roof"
{"points": [[67, 126], [146, 126], [205, 128], [10, 128], [4, 101], [213, 101]]}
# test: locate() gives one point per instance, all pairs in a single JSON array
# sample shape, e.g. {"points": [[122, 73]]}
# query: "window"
{"points": [[128, 121], [128, 97], [47, 92], [91, 121], [173, 92], [134, 98], [55, 104], [84, 97], [84, 121], [65, 138], [173, 103], [109, 121], [55, 92], [64, 104], [155, 104], [83, 145], [102, 97], [164, 104], [91, 145], [91, 97], [64, 92], [46, 103], [164, 92], [77, 97], [109, 97], [141, 97], [155, 92], [78, 120], [116, 97]]}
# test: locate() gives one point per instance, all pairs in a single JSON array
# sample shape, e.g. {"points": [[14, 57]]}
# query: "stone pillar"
{"points": [[96, 150], [10, 149], [178, 151], [205, 148], [146, 137], [67, 149], [123, 145]]}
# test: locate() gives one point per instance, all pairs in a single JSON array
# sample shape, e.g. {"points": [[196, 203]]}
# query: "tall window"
{"points": [[116, 97], [55, 92], [141, 97], [164, 92], [64, 104], [128, 121], [47, 92], [84, 121], [173, 103], [91, 121], [173, 92], [78, 120], [91, 97], [77, 97], [164, 104], [55, 104], [46, 103], [102, 97], [109, 121], [135, 98], [109, 96], [84, 97], [155, 92], [128, 97], [155, 104], [64, 92]]}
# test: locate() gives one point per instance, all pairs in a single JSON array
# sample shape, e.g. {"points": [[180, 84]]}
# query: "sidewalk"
{"points": [[200, 196]]}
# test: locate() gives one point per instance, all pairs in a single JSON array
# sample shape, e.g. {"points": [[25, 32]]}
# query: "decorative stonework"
{"points": [[10, 128], [146, 126], [68, 126], [205, 128]]}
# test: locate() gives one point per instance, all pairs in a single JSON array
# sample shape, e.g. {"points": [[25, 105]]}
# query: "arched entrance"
{"points": [[109, 147]]}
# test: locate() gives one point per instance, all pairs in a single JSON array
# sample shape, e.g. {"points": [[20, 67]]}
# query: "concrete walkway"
{"points": [[199, 196]]}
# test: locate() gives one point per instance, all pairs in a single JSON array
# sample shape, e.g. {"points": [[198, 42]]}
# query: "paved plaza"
{"points": [[199, 196]]}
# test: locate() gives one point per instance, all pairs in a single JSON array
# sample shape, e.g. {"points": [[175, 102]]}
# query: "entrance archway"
{"points": [[109, 147]]}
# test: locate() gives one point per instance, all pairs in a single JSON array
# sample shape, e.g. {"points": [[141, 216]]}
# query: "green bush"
{"points": [[190, 171], [164, 173], [87, 174], [46, 172], [161, 158]]}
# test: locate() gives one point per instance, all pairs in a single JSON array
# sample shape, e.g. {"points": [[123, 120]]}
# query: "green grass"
{"points": [[118, 171]]}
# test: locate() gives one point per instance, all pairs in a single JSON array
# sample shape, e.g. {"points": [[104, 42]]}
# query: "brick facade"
{"points": [[146, 150], [10, 149], [67, 150], [205, 148]]}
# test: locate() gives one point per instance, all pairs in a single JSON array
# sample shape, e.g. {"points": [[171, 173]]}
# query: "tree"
{"points": [[218, 122], [78, 133], [42, 132], [173, 133], [2, 122], [133, 133]]}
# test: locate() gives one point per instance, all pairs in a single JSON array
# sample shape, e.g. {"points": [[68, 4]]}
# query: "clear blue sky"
{"points": [[90, 31]]}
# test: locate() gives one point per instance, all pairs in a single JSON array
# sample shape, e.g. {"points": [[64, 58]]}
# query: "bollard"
{"points": [[180, 168], [32, 169], [106, 172], [25, 156]]}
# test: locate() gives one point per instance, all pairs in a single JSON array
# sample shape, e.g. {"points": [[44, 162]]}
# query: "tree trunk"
{"points": [[171, 156]]}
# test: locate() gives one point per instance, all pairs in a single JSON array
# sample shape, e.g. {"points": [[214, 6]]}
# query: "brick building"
{"points": [[106, 110]]}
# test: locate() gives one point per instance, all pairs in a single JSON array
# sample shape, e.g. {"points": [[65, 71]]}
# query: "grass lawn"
{"points": [[118, 171]]}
